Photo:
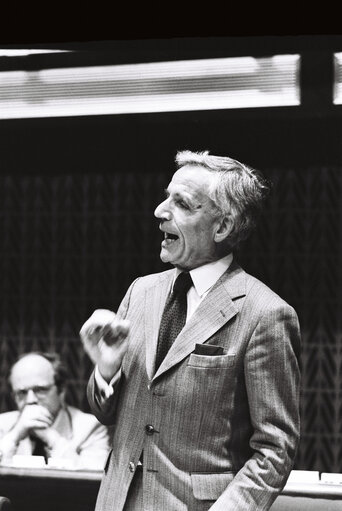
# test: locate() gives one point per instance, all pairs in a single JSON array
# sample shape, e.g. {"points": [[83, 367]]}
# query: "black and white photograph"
{"points": [[171, 271]]}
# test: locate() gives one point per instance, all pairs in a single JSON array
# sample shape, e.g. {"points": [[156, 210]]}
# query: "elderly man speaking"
{"points": [[198, 371]]}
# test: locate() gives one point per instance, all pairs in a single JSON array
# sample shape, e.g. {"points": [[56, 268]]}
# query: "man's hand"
{"points": [[31, 417], [49, 436], [104, 339]]}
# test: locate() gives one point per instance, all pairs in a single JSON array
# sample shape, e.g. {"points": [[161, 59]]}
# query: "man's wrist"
{"points": [[106, 389], [107, 375], [8, 445], [15, 436]]}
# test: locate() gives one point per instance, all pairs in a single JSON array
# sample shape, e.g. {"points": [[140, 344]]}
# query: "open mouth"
{"points": [[169, 238]]}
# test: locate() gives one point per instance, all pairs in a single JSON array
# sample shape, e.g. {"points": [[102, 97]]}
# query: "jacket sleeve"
{"points": [[8, 446], [272, 378], [103, 406]]}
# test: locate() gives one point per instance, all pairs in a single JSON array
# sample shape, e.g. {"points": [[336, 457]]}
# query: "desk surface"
{"points": [[313, 490], [40, 489], [76, 490], [51, 473], [291, 488]]}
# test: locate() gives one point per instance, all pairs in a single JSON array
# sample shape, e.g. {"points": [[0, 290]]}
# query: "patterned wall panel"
{"points": [[73, 243], [297, 251]]}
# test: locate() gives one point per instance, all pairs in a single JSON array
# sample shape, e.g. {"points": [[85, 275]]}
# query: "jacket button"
{"points": [[131, 466], [149, 429]]}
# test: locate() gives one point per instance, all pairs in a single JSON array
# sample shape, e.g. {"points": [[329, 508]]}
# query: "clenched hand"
{"points": [[104, 338]]}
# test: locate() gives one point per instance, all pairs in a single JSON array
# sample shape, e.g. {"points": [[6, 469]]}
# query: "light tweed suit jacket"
{"points": [[225, 428]]}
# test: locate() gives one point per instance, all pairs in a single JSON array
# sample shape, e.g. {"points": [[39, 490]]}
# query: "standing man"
{"points": [[199, 378]]}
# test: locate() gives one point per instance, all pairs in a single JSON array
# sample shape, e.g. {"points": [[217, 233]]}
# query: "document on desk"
{"points": [[303, 476]]}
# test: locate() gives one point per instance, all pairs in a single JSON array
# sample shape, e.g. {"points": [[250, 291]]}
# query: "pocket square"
{"points": [[208, 349]]}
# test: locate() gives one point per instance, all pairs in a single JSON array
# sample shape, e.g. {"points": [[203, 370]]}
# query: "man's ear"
{"points": [[225, 227], [62, 393]]}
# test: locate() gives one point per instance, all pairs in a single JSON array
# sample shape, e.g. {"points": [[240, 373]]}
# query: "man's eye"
{"points": [[183, 204]]}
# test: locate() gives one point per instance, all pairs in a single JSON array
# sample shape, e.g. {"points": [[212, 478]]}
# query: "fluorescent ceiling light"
{"points": [[204, 84], [24, 53], [337, 92]]}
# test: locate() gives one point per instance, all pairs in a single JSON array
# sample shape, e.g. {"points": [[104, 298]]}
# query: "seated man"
{"points": [[44, 424]]}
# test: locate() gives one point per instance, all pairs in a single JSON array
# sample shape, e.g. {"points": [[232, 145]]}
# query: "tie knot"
{"points": [[182, 283]]}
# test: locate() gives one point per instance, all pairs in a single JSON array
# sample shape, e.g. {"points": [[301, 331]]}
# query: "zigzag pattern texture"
{"points": [[73, 243]]}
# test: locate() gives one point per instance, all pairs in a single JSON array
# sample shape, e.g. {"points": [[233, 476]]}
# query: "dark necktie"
{"points": [[39, 447], [174, 316]]}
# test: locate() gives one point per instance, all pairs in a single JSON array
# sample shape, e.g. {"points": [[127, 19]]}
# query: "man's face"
{"points": [[189, 219], [32, 381]]}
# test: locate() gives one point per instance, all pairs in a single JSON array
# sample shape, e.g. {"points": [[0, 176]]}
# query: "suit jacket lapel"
{"points": [[155, 299], [216, 309]]}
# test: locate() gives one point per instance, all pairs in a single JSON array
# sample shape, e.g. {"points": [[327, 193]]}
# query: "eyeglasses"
{"points": [[39, 391]]}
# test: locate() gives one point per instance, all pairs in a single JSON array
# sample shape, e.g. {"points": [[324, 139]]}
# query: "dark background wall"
{"points": [[76, 216]]}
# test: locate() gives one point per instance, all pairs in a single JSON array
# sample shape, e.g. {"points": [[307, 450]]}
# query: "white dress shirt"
{"points": [[203, 278]]}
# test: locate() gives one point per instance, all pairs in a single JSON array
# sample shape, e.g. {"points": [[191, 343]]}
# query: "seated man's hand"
{"points": [[104, 339], [32, 417], [48, 435]]}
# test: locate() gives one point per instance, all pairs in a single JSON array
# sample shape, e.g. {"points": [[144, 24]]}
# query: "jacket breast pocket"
{"points": [[211, 362], [210, 486]]}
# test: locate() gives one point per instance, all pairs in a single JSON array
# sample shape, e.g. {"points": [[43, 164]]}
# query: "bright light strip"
{"points": [[204, 84], [25, 53], [337, 91]]}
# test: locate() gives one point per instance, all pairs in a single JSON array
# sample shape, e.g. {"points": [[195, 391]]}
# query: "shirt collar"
{"points": [[204, 277]]}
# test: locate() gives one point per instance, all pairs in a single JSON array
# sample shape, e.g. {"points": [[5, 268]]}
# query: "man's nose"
{"points": [[31, 397], [162, 212]]}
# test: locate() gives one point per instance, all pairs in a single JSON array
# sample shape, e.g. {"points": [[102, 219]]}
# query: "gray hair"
{"points": [[237, 190]]}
